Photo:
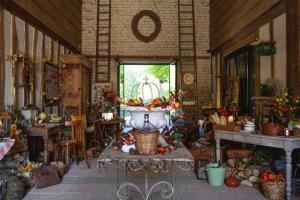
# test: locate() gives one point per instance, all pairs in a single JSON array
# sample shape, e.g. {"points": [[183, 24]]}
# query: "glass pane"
{"points": [[232, 68]]}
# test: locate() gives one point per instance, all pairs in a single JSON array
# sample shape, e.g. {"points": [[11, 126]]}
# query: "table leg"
{"points": [[173, 180], [218, 150], [288, 173], [45, 138]]}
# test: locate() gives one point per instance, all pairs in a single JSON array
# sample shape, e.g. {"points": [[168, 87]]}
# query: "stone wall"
{"points": [[124, 43]]}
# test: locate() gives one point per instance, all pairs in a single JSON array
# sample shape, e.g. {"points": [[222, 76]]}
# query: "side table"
{"points": [[46, 131]]}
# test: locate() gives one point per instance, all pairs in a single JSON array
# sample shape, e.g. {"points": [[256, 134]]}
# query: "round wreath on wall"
{"points": [[135, 21]]}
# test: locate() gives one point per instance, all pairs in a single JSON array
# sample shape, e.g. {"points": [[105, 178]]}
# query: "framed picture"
{"points": [[97, 88]]}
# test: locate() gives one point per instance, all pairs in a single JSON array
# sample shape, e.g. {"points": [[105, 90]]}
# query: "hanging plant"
{"points": [[14, 60]]}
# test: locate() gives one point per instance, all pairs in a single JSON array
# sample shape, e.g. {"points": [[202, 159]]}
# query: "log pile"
{"points": [[243, 170]]}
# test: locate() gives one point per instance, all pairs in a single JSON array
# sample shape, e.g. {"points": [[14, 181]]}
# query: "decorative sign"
{"points": [[51, 83], [135, 22], [97, 88], [266, 48]]}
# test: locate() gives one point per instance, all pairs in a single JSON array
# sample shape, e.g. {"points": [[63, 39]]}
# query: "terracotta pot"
{"points": [[272, 128]]}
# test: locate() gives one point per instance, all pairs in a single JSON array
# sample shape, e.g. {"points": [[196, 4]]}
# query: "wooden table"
{"points": [[46, 131], [101, 125], [288, 144], [158, 163]]}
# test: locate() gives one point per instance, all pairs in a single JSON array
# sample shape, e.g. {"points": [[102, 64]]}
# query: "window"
{"points": [[238, 80]]}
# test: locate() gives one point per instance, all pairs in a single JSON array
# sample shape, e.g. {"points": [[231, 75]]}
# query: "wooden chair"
{"points": [[77, 140], [90, 130]]}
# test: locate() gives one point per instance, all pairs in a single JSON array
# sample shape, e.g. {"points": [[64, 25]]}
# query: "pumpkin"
{"points": [[232, 182]]}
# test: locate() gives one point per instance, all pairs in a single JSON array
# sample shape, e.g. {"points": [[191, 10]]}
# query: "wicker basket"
{"points": [[296, 132], [274, 190], [146, 142], [271, 129], [239, 153]]}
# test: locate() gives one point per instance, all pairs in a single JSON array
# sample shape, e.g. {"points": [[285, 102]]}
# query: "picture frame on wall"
{"points": [[97, 89]]}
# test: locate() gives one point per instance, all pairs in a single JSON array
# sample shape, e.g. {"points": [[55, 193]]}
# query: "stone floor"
{"points": [[81, 183]]}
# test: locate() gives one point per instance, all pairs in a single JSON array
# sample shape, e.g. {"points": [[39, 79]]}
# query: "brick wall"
{"points": [[202, 42], [124, 43]]}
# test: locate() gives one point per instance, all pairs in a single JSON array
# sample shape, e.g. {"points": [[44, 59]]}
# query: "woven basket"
{"points": [[296, 132], [271, 129], [239, 153], [274, 190], [146, 142]]}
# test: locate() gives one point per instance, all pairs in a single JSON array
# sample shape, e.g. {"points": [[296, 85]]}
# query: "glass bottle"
{"points": [[146, 127]]}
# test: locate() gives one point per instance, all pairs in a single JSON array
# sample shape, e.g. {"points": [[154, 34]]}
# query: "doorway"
{"points": [[132, 78]]}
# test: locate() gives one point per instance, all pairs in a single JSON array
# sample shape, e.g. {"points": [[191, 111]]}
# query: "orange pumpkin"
{"points": [[176, 105], [232, 181]]}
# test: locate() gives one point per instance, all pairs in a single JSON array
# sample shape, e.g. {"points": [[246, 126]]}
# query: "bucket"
{"points": [[215, 174]]}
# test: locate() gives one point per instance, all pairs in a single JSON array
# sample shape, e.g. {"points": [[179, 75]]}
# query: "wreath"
{"points": [[135, 21]]}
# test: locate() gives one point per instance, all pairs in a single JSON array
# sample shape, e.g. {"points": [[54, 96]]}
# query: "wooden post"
{"points": [[34, 49], [293, 43], [2, 62], [26, 56], [14, 50]]}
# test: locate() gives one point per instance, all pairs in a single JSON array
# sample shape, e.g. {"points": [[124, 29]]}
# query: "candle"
{"points": [[287, 132], [230, 119]]}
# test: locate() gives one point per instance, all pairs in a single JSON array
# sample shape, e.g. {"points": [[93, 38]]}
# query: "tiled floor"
{"points": [[81, 183]]}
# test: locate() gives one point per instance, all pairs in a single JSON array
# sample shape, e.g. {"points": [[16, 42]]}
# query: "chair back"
{"points": [[80, 117], [77, 130]]}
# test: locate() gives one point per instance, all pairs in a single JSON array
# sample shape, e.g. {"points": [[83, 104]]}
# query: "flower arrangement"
{"points": [[111, 99], [286, 106], [173, 101]]}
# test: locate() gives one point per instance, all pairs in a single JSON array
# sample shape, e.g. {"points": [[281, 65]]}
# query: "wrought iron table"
{"points": [[180, 158], [288, 144]]}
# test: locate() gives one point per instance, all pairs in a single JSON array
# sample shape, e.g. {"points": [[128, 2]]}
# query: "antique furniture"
{"points": [[102, 125], [288, 144], [158, 164], [75, 83], [47, 130], [77, 140], [89, 128]]}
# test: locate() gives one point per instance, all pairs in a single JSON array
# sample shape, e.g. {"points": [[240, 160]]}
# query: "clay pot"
{"points": [[271, 128]]}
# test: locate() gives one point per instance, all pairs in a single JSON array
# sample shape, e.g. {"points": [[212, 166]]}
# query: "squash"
{"points": [[232, 182]]}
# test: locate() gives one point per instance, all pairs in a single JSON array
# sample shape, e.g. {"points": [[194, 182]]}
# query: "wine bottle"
{"points": [[146, 127]]}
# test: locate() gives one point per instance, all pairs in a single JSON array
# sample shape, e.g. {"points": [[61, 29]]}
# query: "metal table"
{"points": [[288, 144], [180, 158]]}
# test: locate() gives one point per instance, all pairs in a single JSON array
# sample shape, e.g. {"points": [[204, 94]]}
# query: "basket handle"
{"points": [[280, 179]]}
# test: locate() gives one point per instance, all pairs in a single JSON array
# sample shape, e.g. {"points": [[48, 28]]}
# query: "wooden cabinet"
{"points": [[75, 83]]}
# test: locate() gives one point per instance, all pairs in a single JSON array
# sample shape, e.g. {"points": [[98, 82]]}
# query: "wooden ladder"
{"points": [[103, 39], [187, 56]]}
